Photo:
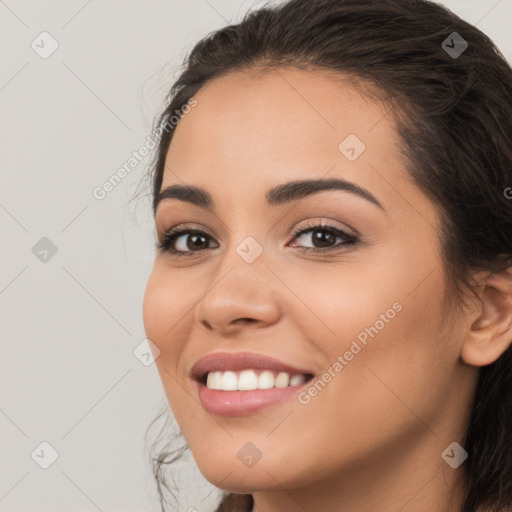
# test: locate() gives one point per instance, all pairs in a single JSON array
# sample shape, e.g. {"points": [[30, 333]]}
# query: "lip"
{"points": [[242, 403]]}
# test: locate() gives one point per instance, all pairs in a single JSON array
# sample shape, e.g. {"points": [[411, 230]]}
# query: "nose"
{"points": [[242, 297]]}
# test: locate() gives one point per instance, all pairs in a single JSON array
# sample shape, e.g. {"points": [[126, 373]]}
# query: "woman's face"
{"points": [[364, 318]]}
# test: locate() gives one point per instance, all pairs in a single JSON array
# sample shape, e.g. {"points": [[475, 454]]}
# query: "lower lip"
{"points": [[242, 403]]}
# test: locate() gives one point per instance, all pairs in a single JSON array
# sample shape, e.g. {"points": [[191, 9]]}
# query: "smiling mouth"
{"points": [[252, 379], [248, 391], [244, 383]]}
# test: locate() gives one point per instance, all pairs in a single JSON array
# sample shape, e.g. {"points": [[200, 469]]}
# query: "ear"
{"points": [[491, 332]]}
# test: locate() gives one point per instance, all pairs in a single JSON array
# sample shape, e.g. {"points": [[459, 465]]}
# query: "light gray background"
{"points": [[69, 326]]}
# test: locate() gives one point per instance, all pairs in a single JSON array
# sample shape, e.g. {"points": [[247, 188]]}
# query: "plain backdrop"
{"points": [[74, 267]]}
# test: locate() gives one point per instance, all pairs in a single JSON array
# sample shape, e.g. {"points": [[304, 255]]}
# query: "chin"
{"points": [[243, 482], [230, 474]]}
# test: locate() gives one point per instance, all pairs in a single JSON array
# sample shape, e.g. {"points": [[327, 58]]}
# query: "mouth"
{"points": [[241, 384], [251, 379]]}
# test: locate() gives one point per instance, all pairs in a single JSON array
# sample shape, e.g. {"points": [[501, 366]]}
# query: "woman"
{"points": [[332, 290]]}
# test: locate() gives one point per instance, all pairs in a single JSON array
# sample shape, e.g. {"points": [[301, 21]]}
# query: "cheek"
{"points": [[389, 334], [403, 364], [149, 309], [165, 302], [164, 311], [153, 310], [163, 317]]}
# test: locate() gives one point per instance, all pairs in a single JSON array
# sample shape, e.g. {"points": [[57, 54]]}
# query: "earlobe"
{"points": [[491, 333]]}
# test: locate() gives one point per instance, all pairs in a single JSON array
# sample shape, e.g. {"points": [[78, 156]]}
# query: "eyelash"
{"points": [[164, 245]]}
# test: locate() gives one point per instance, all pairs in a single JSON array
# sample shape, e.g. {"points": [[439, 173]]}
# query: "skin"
{"points": [[372, 438]]}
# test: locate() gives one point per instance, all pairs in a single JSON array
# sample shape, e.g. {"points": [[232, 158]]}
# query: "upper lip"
{"points": [[224, 361]]}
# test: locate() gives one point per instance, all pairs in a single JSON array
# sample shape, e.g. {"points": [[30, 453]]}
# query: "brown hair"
{"points": [[454, 119]]}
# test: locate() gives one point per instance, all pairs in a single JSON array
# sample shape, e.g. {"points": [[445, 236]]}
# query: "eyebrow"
{"points": [[276, 196]]}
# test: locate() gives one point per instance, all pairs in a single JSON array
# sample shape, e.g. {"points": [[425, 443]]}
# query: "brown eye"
{"points": [[323, 238], [184, 242]]}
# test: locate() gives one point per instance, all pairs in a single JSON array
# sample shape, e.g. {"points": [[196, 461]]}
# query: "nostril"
{"points": [[248, 320], [207, 325]]}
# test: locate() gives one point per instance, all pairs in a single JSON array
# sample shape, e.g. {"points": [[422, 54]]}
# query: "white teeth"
{"points": [[266, 380], [247, 380], [210, 381], [297, 379], [282, 380], [229, 381], [214, 380]]}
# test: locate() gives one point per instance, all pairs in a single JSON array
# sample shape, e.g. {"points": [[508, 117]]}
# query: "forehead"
{"points": [[253, 130], [280, 115]]}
